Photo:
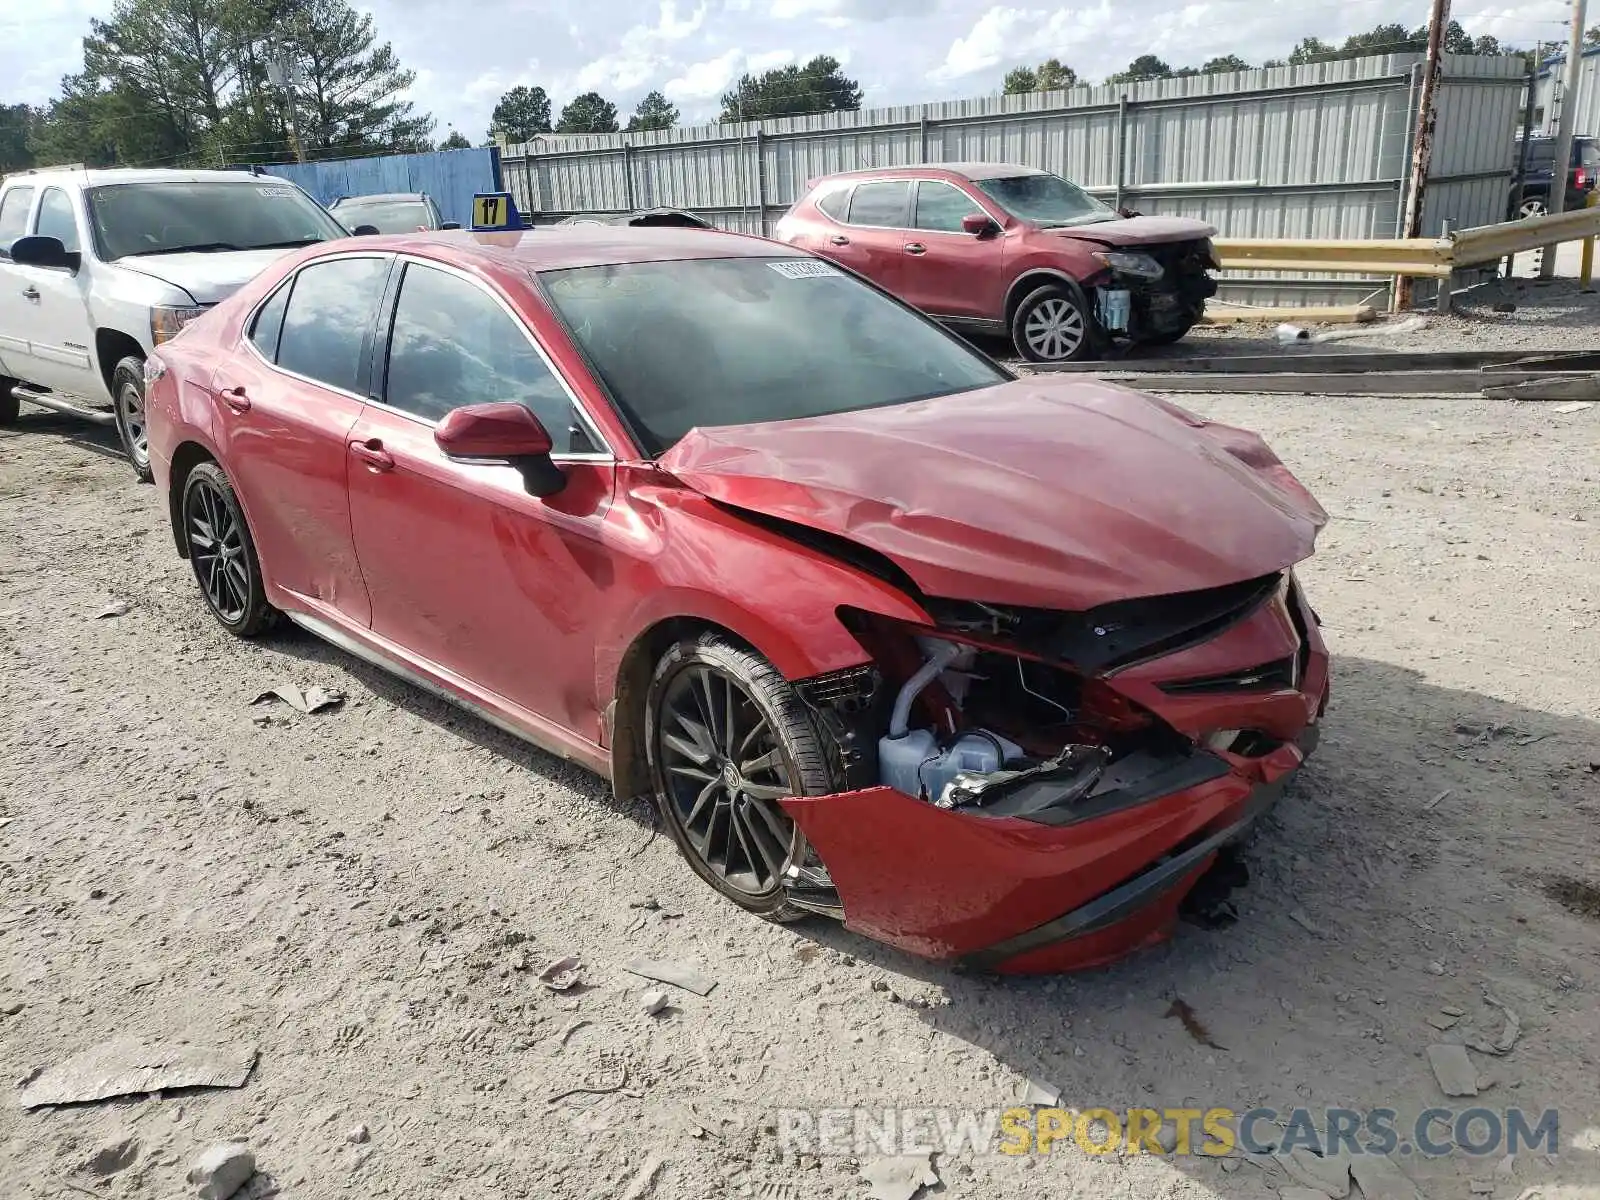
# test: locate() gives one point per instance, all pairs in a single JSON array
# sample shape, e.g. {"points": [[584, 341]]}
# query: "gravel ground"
{"points": [[366, 894]]}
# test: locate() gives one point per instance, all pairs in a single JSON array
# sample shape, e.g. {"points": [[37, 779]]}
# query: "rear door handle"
{"points": [[30, 292], [916, 248], [838, 239], [236, 399], [373, 454]]}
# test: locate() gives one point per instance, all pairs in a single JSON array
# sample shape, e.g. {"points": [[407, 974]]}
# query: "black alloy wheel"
{"points": [[222, 553], [729, 738]]}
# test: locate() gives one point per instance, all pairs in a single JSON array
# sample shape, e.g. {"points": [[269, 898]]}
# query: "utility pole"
{"points": [[1569, 115], [283, 72], [1422, 141]]}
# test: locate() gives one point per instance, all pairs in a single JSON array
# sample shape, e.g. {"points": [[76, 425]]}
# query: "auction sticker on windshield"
{"points": [[804, 268]]}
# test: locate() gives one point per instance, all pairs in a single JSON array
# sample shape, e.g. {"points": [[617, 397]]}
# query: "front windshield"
{"points": [[387, 216], [171, 218], [734, 341], [1045, 200]]}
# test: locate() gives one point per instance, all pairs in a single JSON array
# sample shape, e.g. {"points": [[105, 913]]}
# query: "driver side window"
{"points": [[452, 344]]}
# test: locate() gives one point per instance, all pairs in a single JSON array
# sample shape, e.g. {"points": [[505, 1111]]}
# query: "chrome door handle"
{"points": [[838, 239], [916, 248], [30, 292], [235, 399]]}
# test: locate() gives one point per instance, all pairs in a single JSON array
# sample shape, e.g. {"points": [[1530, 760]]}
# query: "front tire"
{"points": [[223, 554], [127, 395], [1053, 325], [1533, 206], [727, 736]]}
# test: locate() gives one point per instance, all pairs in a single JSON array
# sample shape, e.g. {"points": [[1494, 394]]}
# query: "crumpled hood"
{"points": [[1139, 231], [208, 277], [1060, 494]]}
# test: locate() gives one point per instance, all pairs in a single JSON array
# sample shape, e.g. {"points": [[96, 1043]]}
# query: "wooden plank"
{"points": [[1387, 383], [1566, 385], [1322, 363], [1326, 314]]}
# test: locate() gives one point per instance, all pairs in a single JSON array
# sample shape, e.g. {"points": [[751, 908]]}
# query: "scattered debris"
{"points": [[1443, 1021], [1532, 738], [1191, 1023], [222, 1170], [643, 1178], [1435, 802], [1451, 1010], [1506, 1167], [1301, 1193], [117, 608], [1040, 1095], [1381, 1179], [358, 1136], [653, 1002], [1300, 919], [562, 975], [313, 699], [1482, 1187], [1328, 1176], [1454, 1070], [130, 1066], [1293, 333], [678, 974], [1571, 406], [1508, 1035], [900, 1177], [605, 1089], [648, 903], [113, 1157], [11, 1008], [571, 1029]]}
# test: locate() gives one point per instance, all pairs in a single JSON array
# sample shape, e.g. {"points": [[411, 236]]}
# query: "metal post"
{"points": [[1122, 147], [529, 198], [1522, 153], [1422, 142], [922, 139], [761, 186], [1413, 91], [1586, 267], [1569, 113], [627, 175]]}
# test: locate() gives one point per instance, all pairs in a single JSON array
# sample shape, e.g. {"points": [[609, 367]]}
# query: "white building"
{"points": [[1547, 97]]}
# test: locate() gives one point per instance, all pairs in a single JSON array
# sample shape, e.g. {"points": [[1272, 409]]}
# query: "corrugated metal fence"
{"points": [[1310, 151], [451, 177]]}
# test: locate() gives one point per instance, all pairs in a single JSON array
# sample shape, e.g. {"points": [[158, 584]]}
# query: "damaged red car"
{"points": [[987, 667]]}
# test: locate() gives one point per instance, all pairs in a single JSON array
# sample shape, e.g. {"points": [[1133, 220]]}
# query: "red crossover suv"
{"points": [[988, 667], [1011, 250]]}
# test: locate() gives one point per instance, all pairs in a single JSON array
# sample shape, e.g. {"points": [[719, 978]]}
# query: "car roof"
{"points": [[383, 198], [959, 170], [558, 247], [100, 177]]}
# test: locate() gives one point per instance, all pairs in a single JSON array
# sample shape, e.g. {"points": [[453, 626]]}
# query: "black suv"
{"points": [[1581, 173]]}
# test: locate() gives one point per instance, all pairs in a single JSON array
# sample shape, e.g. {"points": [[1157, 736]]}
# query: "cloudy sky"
{"points": [[901, 51]]}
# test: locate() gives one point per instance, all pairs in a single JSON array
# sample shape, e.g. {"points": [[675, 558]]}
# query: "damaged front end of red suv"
{"points": [[1038, 772]]}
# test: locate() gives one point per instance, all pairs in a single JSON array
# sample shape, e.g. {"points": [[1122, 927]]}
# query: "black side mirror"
{"points": [[37, 251], [364, 230], [449, 224]]}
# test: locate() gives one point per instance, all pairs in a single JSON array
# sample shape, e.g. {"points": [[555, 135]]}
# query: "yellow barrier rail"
{"points": [[1413, 258]]}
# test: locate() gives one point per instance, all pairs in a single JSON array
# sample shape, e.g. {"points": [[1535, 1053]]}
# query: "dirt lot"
{"points": [[366, 894]]}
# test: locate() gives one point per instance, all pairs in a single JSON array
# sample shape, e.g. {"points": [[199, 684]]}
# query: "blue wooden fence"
{"points": [[451, 177]]}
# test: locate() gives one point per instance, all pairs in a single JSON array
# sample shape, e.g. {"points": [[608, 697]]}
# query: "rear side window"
{"points": [[940, 207], [1587, 154], [1541, 155], [56, 218], [452, 344], [327, 325], [880, 203], [835, 203], [14, 216], [269, 323]]}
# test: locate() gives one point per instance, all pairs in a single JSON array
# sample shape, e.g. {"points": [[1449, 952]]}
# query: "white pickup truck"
{"points": [[97, 268]]}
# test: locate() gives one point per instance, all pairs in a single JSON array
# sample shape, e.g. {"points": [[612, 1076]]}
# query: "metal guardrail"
{"points": [[1415, 258]]}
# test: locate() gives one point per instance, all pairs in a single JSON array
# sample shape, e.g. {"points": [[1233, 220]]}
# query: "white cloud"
{"points": [[990, 41], [1005, 36], [704, 80], [770, 61]]}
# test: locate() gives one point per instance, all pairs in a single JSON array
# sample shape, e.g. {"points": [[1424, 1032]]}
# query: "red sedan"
{"points": [[988, 667]]}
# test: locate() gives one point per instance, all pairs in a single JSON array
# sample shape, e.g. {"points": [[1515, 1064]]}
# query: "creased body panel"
{"points": [[1062, 495]]}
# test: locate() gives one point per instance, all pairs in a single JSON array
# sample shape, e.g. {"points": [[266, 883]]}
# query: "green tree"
{"points": [[1311, 50], [1052, 75], [655, 111], [522, 114], [456, 141], [589, 113], [17, 122], [818, 86], [1146, 66], [1227, 62]]}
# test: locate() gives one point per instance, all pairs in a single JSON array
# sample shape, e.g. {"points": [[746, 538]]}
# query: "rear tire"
{"points": [[223, 554], [127, 401], [727, 735], [10, 406], [1053, 324]]}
